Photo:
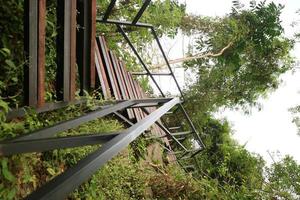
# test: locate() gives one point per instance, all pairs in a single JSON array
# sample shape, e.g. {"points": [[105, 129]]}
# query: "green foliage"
{"points": [[230, 165], [283, 179], [296, 116], [21, 174], [251, 54], [121, 178], [11, 50]]}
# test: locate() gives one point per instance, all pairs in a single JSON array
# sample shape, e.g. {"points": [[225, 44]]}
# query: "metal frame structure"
{"points": [[135, 23], [94, 58]]}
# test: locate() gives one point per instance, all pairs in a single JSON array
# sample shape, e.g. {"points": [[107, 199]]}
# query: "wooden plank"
{"points": [[101, 74], [41, 53]]}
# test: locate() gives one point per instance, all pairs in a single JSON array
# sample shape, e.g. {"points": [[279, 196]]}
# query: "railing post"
{"points": [[34, 48], [66, 50]]}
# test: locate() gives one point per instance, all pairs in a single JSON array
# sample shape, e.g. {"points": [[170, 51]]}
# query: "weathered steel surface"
{"points": [[108, 66], [93, 12], [73, 14], [31, 13], [101, 74], [41, 53]]}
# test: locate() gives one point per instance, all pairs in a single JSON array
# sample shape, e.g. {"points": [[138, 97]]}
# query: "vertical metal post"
{"points": [[41, 53], [31, 51], [67, 49], [93, 11], [196, 135], [84, 44], [66, 54], [73, 50]]}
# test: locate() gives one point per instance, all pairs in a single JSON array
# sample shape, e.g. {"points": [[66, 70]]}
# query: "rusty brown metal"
{"points": [[119, 80], [126, 78], [131, 83], [41, 53], [130, 95], [108, 66], [93, 43], [121, 74], [101, 74], [73, 51]]}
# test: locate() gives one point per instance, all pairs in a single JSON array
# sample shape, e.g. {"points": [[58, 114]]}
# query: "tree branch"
{"points": [[196, 56]]}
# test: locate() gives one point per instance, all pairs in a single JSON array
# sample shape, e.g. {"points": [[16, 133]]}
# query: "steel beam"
{"points": [[196, 152], [195, 133], [21, 112], [66, 50], [84, 44], [66, 125], [93, 15], [174, 128], [153, 74], [46, 144], [160, 125], [108, 67], [109, 9], [31, 16], [41, 53], [101, 71], [182, 133], [123, 118], [63, 184], [141, 11], [143, 25]]}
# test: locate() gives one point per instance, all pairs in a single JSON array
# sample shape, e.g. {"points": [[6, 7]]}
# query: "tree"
{"points": [[235, 170], [283, 179], [256, 54]]}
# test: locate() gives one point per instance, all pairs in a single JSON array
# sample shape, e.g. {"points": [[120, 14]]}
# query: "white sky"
{"points": [[270, 129]]}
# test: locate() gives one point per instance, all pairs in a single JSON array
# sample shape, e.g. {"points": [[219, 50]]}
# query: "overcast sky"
{"points": [[270, 129]]}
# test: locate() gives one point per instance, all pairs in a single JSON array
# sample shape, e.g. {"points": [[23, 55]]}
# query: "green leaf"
{"points": [[12, 193], [5, 51], [5, 171], [14, 79], [3, 106], [51, 171], [10, 63]]}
